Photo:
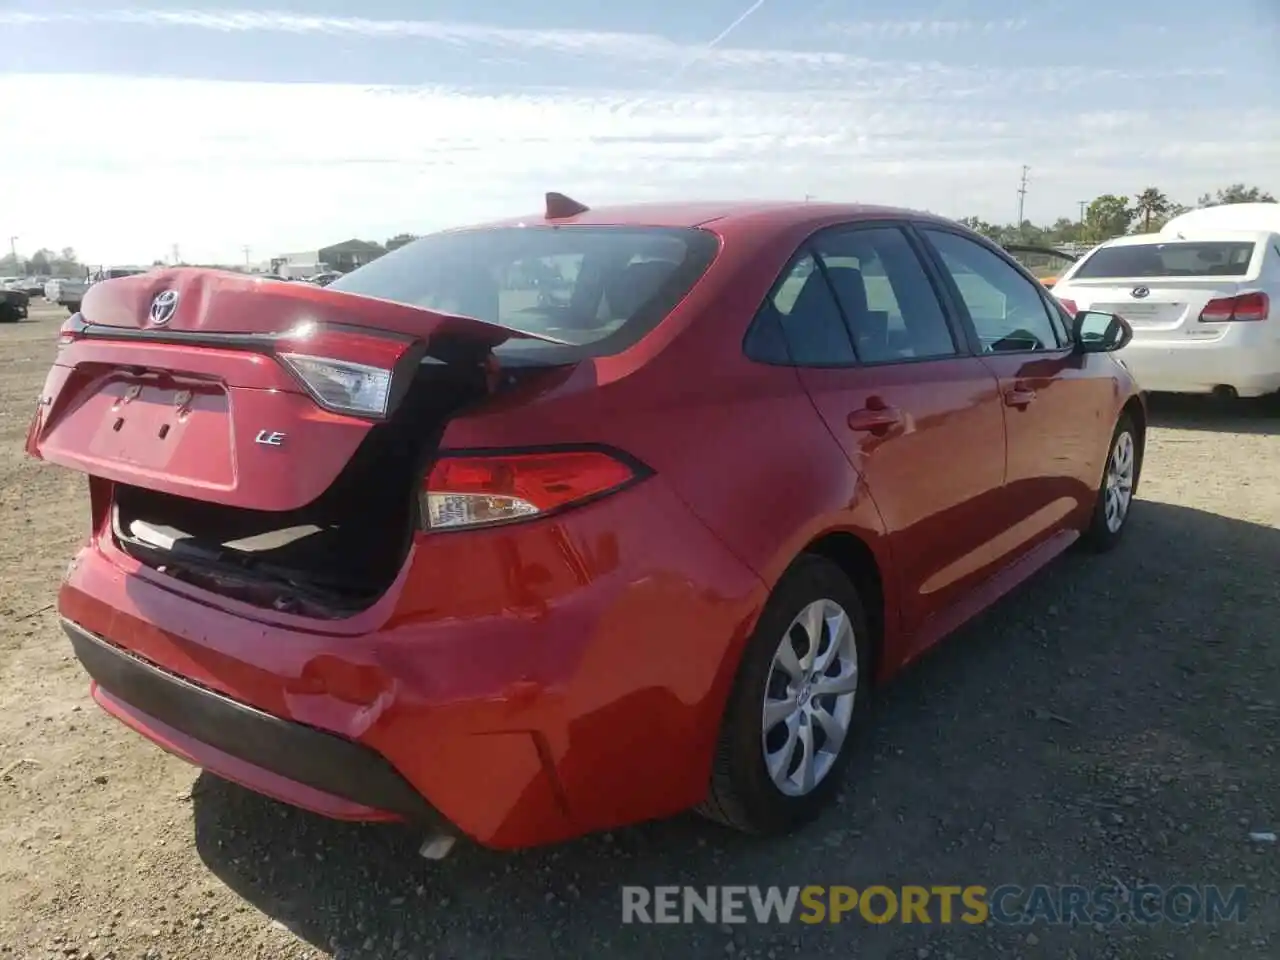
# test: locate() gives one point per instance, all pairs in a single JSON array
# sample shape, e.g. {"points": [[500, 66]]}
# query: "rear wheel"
{"points": [[1119, 483], [801, 689]]}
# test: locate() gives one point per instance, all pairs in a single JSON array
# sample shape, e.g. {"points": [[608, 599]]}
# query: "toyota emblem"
{"points": [[163, 307], [1141, 292]]}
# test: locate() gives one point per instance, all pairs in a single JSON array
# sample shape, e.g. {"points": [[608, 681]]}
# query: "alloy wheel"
{"points": [[1118, 486], [809, 697]]}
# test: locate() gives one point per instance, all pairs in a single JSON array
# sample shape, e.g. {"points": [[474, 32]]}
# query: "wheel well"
{"points": [[1138, 414], [854, 557]]}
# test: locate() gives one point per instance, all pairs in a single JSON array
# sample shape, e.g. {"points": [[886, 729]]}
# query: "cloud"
{"points": [[923, 29], [632, 46], [738, 65], [214, 165], [147, 162]]}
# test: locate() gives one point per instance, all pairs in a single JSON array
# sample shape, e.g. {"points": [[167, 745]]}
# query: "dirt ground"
{"points": [[1117, 719]]}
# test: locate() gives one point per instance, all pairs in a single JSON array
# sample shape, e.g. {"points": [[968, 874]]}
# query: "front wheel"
{"points": [[800, 692], [1115, 494]]}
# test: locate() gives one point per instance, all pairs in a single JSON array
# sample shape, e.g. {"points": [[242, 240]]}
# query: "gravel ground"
{"points": [[1117, 719]]}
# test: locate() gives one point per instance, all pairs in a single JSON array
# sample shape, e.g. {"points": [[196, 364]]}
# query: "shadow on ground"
{"points": [[1116, 719], [1185, 412]]}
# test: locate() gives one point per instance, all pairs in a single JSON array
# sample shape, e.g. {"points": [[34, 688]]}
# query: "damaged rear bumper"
{"points": [[529, 684], [280, 758]]}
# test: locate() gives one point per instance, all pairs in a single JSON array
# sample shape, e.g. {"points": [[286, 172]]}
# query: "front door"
{"points": [[918, 418], [1050, 393]]}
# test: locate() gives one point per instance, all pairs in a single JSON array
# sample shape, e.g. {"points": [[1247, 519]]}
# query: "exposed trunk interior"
{"points": [[331, 558]]}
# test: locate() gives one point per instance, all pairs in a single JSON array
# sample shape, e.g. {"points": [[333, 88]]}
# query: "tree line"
{"points": [[1114, 215], [1107, 216], [43, 263], [64, 263]]}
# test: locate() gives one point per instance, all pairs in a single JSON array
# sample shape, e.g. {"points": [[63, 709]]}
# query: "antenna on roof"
{"points": [[560, 207]]}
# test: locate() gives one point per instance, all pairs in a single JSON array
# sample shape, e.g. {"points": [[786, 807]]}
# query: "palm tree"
{"points": [[1148, 204]]}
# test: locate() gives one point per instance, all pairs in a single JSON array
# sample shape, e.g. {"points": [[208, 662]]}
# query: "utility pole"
{"points": [[177, 257], [246, 254], [1083, 204], [1022, 196], [13, 247]]}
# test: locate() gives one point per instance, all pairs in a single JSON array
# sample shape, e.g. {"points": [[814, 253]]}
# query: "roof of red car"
{"points": [[779, 213]]}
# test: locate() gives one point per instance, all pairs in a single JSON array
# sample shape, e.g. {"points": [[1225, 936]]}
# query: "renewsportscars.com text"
{"points": [[973, 904]]}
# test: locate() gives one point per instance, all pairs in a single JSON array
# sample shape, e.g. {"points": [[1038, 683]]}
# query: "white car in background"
{"points": [[69, 293], [66, 292], [1203, 301]]}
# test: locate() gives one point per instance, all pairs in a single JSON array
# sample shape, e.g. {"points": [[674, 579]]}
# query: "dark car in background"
{"points": [[14, 303]]}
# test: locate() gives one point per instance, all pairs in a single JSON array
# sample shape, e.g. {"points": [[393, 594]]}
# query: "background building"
{"points": [[346, 256]]}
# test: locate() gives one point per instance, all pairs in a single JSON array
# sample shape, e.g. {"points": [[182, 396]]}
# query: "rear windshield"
{"points": [[599, 289], [1182, 258]]}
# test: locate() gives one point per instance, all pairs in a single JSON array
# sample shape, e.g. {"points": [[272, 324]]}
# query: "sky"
{"points": [[292, 124]]}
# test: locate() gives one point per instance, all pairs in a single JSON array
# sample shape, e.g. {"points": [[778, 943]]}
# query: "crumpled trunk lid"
{"points": [[181, 381]]}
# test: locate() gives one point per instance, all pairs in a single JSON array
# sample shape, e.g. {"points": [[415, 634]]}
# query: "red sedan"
{"points": [[553, 525]]}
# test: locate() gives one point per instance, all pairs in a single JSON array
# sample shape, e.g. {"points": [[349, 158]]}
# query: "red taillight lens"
{"points": [[1244, 308], [348, 370], [1252, 306], [1070, 305], [1218, 311], [471, 491]]}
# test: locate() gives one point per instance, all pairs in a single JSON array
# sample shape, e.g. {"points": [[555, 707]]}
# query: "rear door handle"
{"points": [[1019, 397], [875, 418]]}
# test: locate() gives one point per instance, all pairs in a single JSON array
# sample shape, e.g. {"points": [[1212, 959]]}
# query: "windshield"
{"points": [[599, 289], [1182, 258]]}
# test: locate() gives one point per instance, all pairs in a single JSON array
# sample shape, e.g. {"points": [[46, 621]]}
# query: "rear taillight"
{"points": [[348, 370], [1070, 305], [476, 490], [1244, 308]]}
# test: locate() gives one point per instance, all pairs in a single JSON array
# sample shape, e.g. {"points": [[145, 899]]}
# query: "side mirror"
{"points": [[1097, 332]]}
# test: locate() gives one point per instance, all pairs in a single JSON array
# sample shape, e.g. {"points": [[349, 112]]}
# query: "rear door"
{"points": [[918, 417], [1162, 287], [1052, 396]]}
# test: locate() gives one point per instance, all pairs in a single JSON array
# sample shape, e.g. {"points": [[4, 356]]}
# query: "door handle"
{"points": [[1019, 396], [874, 419]]}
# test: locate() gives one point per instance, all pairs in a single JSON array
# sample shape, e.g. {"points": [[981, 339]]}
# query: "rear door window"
{"points": [[1182, 258], [803, 306], [891, 307]]}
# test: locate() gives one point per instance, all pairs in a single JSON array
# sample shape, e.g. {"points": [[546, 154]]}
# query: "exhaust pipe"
{"points": [[437, 846]]}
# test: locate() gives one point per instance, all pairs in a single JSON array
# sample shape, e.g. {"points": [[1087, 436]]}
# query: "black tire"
{"points": [[1098, 536], [742, 794], [72, 308]]}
